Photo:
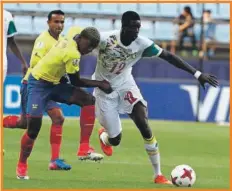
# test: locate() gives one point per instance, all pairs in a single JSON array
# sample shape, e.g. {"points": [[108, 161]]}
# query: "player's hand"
{"points": [[208, 78], [105, 87]]}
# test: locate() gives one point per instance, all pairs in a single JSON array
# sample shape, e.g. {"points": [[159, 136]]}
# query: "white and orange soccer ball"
{"points": [[183, 176]]}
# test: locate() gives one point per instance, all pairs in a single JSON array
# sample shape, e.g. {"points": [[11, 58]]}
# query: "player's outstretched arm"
{"points": [[179, 63], [16, 51], [80, 82]]}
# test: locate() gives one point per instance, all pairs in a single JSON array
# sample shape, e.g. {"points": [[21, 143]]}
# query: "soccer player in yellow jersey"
{"points": [[44, 85], [42, 45]]}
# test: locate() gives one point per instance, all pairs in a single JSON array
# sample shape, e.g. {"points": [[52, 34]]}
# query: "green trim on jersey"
{"points": [[153, 50], [12, 29]]}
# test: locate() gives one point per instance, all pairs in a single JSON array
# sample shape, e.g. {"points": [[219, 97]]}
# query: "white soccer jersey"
{"points": [[9, 30], [115, 60]]}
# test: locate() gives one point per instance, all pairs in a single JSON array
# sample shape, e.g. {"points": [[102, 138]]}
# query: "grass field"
{"points": [[205, 147]]}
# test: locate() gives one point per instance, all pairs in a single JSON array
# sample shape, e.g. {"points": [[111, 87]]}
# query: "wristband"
{"points": [[197, 74]]}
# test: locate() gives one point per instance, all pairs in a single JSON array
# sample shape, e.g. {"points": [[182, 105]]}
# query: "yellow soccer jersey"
{"points": [[62, 58], [43, 43], [73, 31]]}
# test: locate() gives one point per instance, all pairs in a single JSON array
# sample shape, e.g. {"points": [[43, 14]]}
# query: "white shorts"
{"points": [[108, 106]]}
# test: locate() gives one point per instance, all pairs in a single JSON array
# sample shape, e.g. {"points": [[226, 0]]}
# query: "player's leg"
{"points": [[132, 103], [55, 113], [13, 121], [77, 96], [87, 119], [140, 117], [37, 95]]}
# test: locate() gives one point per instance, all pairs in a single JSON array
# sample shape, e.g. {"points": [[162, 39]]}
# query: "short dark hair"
{"points": [[92, 34], [129, 16], [187, 9], [58, 12]]}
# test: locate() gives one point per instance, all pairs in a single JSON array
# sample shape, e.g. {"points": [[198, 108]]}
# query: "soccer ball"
{"points": [[183, 176]]}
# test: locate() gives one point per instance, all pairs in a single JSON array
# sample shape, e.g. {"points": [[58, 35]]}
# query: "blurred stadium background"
{"points": [[157, 81]]}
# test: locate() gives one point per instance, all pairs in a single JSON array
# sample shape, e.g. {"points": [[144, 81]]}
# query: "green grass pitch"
{"points": [[203, 146]]}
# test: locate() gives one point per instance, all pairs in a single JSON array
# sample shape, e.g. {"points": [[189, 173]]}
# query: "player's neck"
{"points": [[55, 36], [125, 40]]}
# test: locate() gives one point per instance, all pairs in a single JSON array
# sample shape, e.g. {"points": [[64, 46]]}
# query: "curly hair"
{"points": [[92, 34]]}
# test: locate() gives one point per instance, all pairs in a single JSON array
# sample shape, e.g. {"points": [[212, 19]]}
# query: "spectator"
{"points": [[186, 29], [209, 35]]}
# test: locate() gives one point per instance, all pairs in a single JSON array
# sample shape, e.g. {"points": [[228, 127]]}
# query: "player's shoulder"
{"points": [[74, 30], [144, 41], [43, 41], [43, 35]]}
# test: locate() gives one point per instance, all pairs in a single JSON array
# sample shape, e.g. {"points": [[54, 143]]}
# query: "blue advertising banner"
{"points": [[166, 101]]}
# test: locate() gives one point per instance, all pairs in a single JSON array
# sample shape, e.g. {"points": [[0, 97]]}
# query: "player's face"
{"points": [[131, 31], [56, 24], [84, 46]]}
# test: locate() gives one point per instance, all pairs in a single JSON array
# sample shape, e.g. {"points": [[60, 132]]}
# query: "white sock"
{"points": [[105, 138], [152, 149]]}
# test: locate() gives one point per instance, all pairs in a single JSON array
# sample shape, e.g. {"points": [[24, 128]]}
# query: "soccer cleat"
{"points": [[160, 179], [86, 152], [21, 171], [108, 150], [59, 164], [10, 121]]}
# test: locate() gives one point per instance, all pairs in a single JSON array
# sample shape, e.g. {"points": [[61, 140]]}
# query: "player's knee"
{"points": [[116, 140], [58, 120], [34, 125], [56, 116], [22, 123], [89, 100]]}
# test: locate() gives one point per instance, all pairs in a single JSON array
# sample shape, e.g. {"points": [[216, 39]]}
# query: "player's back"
{"points": [[61, 58], [73, 31]]}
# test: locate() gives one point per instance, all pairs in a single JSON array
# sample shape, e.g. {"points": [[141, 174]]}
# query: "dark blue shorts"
{"points": [[24, 97], [43, 95]]}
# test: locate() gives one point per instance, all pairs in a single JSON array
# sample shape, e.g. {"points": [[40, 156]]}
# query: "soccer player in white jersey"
{"points": [[118, 52], [8, 39]]}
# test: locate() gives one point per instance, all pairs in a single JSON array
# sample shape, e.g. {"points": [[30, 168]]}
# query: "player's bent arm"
{"points": [[80, 82], [155, 50], [177, 62], [15, 49]]}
